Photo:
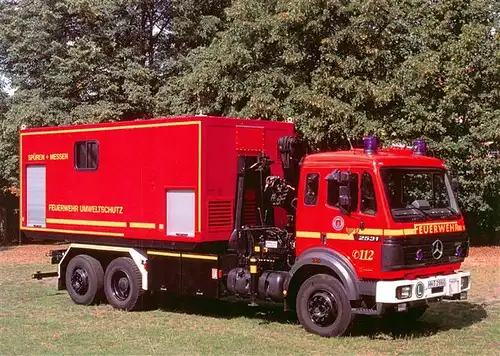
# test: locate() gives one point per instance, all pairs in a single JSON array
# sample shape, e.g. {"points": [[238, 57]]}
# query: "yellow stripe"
{"points": [[375, 232], [168, 254], [308, 234], [394, 232], [184, 255], [199, 257], [87, 222], [112, 128], [345, 236], [99, 247], [97, 233], [339, 236], [330, 235], [399, 232], [141, 225]]}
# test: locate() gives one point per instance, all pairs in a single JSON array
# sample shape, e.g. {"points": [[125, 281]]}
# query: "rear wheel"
{"points": [[323, 307], [123, 284], [84, 279]]}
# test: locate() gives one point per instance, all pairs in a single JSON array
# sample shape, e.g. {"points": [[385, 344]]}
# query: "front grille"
{"points": [[399, 253]]}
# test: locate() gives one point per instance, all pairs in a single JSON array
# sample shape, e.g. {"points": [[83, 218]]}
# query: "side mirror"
{"points": [[339, 176], [345, 177], [345, 197]]}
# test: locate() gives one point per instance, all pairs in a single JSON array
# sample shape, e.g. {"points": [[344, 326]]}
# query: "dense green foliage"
{"points": [[398, 69], [77, 61]]}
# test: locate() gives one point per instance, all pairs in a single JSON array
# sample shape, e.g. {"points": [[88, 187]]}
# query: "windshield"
{"points": [[417, 194]]}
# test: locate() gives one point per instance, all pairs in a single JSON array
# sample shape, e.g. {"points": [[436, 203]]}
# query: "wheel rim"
{"points": [[120, 285], [80, 281], [322, 308]]}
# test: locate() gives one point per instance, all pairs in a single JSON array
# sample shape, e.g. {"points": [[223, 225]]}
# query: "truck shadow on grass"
{"points": [[438, 318]]}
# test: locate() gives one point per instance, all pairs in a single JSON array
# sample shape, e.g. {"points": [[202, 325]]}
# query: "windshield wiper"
{"points": [[407, 213], [453, 211], [425, 213], [439, 212]]}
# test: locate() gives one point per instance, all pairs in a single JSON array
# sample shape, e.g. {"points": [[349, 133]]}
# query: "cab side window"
{"points": [[311, 191], [368, 200], [334, 188]]}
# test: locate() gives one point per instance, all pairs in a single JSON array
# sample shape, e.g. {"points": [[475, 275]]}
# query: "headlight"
{"points": [[403, 292]]}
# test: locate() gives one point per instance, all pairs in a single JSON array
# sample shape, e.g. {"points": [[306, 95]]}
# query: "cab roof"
{"points": [[401, 157]]}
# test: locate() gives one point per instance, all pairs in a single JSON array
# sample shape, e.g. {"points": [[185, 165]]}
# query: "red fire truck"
{"points": [[224, 207]]}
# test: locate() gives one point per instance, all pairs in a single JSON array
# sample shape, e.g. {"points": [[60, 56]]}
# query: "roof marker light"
{"points": [[370, 144], [419, 147]]}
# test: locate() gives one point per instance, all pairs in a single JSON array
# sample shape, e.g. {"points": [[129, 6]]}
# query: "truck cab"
{"points": [[386, 221], [384, 211]]}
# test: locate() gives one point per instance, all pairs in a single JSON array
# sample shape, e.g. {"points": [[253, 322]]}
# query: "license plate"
{"points": [[436, 283]]}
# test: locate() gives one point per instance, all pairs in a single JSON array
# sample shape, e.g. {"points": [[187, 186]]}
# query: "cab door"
{"points": [[338, 209], [341, 220], [320, 219], [352, 224]]}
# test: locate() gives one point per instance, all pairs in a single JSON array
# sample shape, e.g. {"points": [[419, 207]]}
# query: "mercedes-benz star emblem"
{"points": [[437, 249]]}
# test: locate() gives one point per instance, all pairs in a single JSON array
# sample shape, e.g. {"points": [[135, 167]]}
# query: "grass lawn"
{"points": [[35, 318]]}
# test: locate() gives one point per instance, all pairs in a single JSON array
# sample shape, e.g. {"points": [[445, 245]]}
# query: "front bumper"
{"points": [[445, 287]]}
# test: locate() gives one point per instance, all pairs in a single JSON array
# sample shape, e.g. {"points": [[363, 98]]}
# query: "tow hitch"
{"points": [[40, 275], [55, 257]]}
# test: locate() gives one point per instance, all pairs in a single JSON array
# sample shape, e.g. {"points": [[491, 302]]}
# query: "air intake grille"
{"points": [[402, 252], [450, 243], [220, 215]]}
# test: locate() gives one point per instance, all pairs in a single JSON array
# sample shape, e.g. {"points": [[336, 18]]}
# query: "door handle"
{"points": [[323, 238]]}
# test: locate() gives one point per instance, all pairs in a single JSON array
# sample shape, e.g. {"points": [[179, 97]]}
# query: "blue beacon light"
{"points": [[419, 147], [370, 144]]}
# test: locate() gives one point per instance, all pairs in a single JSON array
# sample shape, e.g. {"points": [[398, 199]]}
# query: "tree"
{"points": [[396, 69], [342, 69], [449, 94], [85, 61]]}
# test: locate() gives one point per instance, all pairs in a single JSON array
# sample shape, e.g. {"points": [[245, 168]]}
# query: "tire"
{"points": [[323, 307], [84, 280], [123, 284]]}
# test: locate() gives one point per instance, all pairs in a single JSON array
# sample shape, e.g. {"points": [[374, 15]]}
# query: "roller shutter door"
{"points": [[35, 196]]}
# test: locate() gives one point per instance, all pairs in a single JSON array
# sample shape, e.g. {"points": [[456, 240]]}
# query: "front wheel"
{"points": [[123, 284], [323, 307]]}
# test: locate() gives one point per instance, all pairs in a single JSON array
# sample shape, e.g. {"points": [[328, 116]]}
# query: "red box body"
{"points": [[138, 162]]}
